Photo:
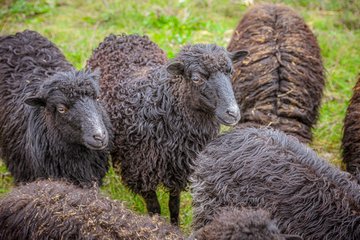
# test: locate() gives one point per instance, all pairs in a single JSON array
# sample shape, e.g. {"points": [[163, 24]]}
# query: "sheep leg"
{"points": [[152, 203], [174, 206]]}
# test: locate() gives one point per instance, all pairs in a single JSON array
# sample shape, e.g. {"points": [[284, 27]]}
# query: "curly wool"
{"points": [[244, 223], [59, 210], [351, 134], [32, 148], [266, 168], [120, 58], [280, 83], [157, 134]]}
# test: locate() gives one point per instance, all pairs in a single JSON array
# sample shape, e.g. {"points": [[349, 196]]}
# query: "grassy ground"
{"points": [[78, 26]]}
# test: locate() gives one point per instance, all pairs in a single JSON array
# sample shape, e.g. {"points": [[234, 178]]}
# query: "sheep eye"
{"points": [[197, 80], [62, 109]]}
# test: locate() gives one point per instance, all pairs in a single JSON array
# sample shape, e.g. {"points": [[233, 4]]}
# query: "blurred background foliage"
{"points": [[77, 27]]}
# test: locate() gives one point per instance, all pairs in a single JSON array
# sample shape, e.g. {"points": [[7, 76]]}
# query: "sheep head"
{"points": [[70, 102], [207, 70], [242, 223]]}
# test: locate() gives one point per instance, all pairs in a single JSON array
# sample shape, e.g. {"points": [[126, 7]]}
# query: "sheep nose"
{"points": [[100, 136], [234, 112]]}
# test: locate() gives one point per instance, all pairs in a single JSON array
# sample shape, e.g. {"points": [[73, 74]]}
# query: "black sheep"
{"points": [[265, 168], [59, 210], [163, 112], [281, 81], [241, 223], [64, 132]]}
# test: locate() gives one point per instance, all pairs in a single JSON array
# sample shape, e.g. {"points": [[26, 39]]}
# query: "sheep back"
{"points": [[119, 58], [59, 210], [280, 83], [265, 168]]}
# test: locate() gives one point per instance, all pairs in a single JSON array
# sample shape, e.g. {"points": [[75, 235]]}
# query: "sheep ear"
{"points": [[175, 68], [35, 102], [292, 237], [238, 55]]}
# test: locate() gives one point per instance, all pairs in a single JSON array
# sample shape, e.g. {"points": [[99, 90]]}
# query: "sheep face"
{"points": [[70, 101], [207, 72]]}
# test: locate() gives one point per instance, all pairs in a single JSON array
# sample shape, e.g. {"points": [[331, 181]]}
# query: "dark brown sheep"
{"points": [[51, 122], [351, 136], [280, 83], [163, 111], [59, 210], [265, 168]]}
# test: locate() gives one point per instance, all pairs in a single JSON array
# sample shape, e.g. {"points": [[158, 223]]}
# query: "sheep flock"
{"points": [[157, 121]]}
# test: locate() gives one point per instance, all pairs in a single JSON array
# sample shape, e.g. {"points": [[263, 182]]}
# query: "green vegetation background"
{"points": [[77, 27]]}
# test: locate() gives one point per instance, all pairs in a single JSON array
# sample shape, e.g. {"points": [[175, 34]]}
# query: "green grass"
{"points": [[77, 27]]}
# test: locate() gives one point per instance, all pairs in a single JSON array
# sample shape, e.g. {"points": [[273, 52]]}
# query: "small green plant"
{"points": [[5, 179], [30, 8]]}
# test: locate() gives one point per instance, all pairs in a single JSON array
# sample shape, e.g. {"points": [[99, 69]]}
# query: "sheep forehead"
{"points": [[78, 89], [73, 85], [210, 57], [215, 62]]}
